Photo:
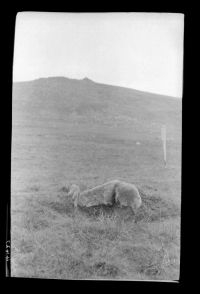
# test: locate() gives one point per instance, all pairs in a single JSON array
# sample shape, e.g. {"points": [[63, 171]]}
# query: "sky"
{"points": [[142, 51]]}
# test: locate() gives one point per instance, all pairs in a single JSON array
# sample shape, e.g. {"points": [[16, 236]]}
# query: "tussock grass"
{"points": [[55, 241], [155, 208]]}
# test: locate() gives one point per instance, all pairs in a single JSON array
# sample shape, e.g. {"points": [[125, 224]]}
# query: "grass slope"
{"points": [[56, 242], [67, 131]]}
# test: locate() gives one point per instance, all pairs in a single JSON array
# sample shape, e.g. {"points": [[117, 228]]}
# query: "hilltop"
{"points": [[86, 101]]}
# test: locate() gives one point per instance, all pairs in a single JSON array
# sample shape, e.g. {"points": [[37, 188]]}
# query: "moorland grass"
{"points": [[54, 241]]}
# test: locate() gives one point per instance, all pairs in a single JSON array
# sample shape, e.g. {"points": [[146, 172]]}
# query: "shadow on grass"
{"points": [[145, 260], [105, 270]]}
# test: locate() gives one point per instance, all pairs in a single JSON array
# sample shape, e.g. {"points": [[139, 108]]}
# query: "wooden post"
{"points": [[163, 137]]}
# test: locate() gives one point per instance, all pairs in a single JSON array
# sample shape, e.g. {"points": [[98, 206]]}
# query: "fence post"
{"points": [[163, 137]]}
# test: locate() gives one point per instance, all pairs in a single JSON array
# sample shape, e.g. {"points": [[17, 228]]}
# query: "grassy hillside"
{"points": [[78, 131]]}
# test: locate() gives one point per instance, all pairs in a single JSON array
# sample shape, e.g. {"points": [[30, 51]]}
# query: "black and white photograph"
{"points": [[97, 146]]}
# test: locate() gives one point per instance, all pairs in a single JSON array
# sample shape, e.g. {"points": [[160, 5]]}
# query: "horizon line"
{"points": [[87, 78]]}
